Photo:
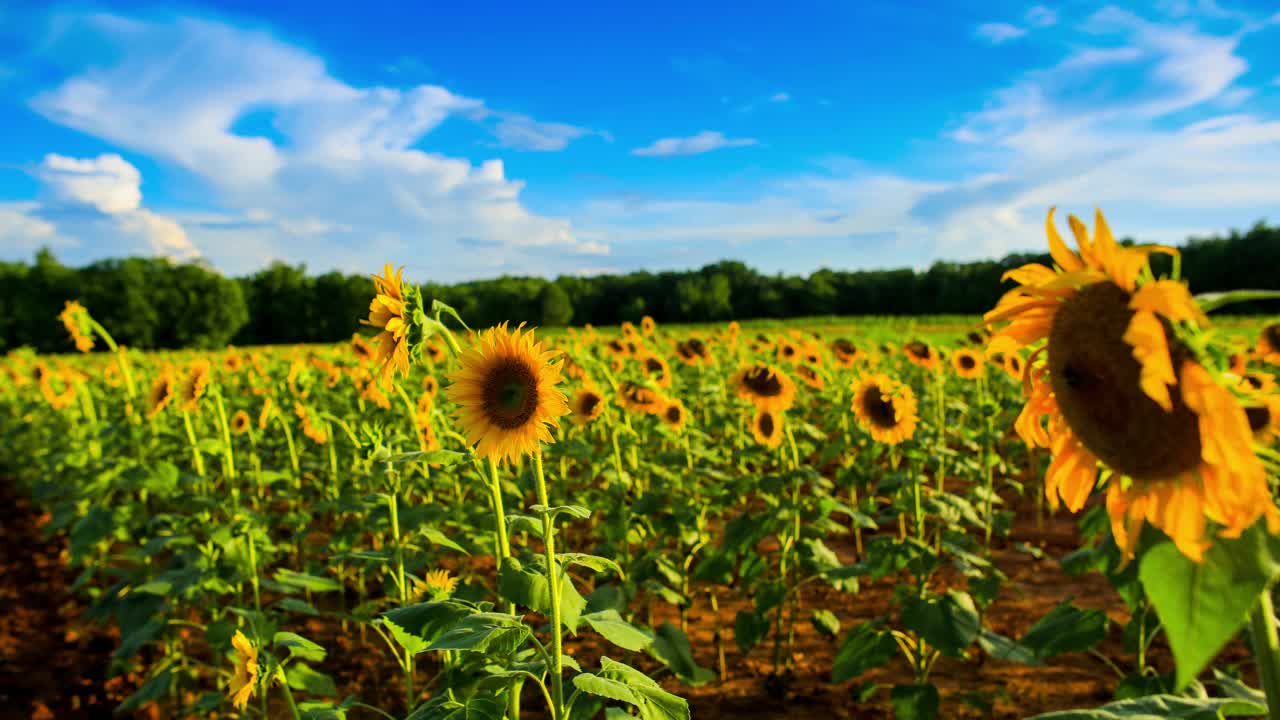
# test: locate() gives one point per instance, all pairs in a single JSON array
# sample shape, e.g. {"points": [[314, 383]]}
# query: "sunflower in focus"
{"points": [[388, 311], [968, 364], [75, 319], [1269, 344], [506, 393], [587, 405], [766, 427], [674, 415], [1112, 384], [885, 408], [436, 585], [240, 422], [765, 386], [245, 677], [160, 395], [921, 354]]}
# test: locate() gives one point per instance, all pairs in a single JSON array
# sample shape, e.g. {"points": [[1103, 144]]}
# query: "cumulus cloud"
{"points": [[341, 164], [705, 141], [999, 32]]}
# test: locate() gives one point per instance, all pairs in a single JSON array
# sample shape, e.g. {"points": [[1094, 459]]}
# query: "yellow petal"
{"points": [[1062, 254], [1146, 336]]}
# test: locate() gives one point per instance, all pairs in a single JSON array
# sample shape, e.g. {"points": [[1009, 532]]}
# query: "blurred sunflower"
{"points": [[264, 415], [76, 320], [693, 351], [194, 384], [656, 369], [314, 432], [766, 427], [968, 364], [160, 395], [674, 415], [240, 422], [506, 393], [436, 585], [846, 352], [765, 386], [810, 377], [1119, 389], [434, 352], [885, 408], [787, 351], [361, 348], [587, 405], [1269, 344], [637, 398], [647, 325], [628, 330], [921, 354], [388, 311]]}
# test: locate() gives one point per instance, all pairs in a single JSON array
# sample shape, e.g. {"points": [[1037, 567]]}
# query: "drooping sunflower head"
{"points": [[506, 393], [1269, 344], [75, 318], [885, 408], [587, 405], [194, 384], [240, 422], [160, 395], [766, 427], [389, 310], [674, 415], [656, 369], [968, 364], [1120, 386], [765, 386], [922, 354], [244, 678]]}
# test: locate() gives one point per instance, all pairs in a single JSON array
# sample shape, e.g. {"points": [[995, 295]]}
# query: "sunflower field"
{"points": [[1063, 509]]}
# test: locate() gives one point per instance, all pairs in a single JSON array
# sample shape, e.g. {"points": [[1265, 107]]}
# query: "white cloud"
{"points": [[22, 232], [340, 165], [705, 141], [999, 32], [780, 97], [1041, 16]]}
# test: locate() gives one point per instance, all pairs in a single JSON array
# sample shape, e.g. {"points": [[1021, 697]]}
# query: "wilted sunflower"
{"points": [[885, 408], [693, 352], [1119, 389], [968, 364], [194, 384], [506, 393], [766, 427], [240, 422], [160, 395], [388, 311], [587, 405], [674, 415], [656, 369], [647, 325], [1269, 344], [436, 585], [76, 319], [245, 678], [765, 386], [921, 354], [637, 398], [361, 348]]}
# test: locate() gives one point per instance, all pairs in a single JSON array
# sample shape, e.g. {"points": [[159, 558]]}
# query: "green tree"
{"points": [[557, 309]]}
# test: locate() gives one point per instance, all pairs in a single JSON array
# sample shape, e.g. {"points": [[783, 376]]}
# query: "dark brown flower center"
{"points": [[879, 408], [844, 347], [1259, 417], [1254, 381], [919, 350], [654, 366], [766, 425], [674, 414], [588, 403], [510, 394], [763, 382], [1272, 334], [967, 362], [1095, 379]]}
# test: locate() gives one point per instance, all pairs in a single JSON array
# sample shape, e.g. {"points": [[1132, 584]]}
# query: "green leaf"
{"points": [[303, 581], [299, 647], [417, 626], [671, 647], [948, 622], [1163, 707], [618, 631], [438, 538], [749, 629], [1203, 605], [914, 702], [595, 562], [652, 702], [826, 623], [604, 687], [447, 706], [295, 605], [529, 588], [483, 632], [577, 511], [1003, 648], [866, 647], [302, 677], [1065, 629], [1209, 302]]}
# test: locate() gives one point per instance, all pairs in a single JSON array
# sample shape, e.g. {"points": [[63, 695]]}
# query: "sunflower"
{"points": [[1257, 382], [766, 427], [732, 332], [637, 398], [656, 369], [232, 362], [787, 351], [426, 401], [617, 348], [1269, 344], [976, 338], [430, 386], [76, 319], [885, 408], [194, 384], [361, 348], [435, 585], [693, 352], [371, 390], [161, 394], [766, 386], [434, 352], [921, 354], [968, 364], [572, 369], [388, 311], [810, 377], [427, 439], [240, 422], [316, 433], [1120, 389], [647, 326], [58, 400], [674, 415], [1264, 418], [506, 393], [245, 679], [846, 352], [587, 405]]}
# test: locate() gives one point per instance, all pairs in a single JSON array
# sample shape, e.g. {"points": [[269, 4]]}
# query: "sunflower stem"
{"points": [[500, 521], [1266, 650], [553, 582]]}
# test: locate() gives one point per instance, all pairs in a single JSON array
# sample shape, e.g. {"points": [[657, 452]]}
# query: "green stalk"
{"points": [[228, 457], [197, 458], [1266, 650], [500, 520], [407, 663], [553, 576]]}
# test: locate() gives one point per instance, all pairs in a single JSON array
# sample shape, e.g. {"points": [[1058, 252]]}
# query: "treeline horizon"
{"points": [[150, 303]]}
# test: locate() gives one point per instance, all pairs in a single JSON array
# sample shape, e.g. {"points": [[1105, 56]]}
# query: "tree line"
{"points": [[152, 303]]}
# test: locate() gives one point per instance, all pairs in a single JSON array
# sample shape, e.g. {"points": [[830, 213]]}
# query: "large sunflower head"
{"points": [[75, 318], [1114, 382], [968, 364], [885, 408], [765, 386], [587, 405], [506, 393], [766, 427]]}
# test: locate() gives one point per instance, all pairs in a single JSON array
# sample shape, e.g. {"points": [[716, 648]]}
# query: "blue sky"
{"points": [[466, 140]]}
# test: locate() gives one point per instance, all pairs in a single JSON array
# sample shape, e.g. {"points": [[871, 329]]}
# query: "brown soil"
{"points": [[52, 665]]}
